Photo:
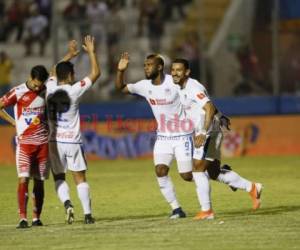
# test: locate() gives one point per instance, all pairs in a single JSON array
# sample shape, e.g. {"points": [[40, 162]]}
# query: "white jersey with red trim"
{"points": [[29, 112], [193, 98], [165, 104], [63, 110]]}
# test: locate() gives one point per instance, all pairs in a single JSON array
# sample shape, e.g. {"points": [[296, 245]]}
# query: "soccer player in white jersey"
{"points": [[207, 141], [28, 100], [173, 130], [65, 143]]}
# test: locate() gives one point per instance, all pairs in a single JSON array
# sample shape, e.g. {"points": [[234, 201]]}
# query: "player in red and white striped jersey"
{"points": [[28, 100]]}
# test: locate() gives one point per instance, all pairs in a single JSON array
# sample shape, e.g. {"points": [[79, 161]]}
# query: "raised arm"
{"points": [[120, 79], [72, 52], [89, 47], [5, 116]]}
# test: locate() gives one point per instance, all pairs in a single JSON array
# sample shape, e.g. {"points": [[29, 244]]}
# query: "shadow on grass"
{"points": [[262, 211], [149, 217]]}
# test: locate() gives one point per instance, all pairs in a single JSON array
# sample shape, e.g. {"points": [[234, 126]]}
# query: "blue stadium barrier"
{"points": [[233, 106]]}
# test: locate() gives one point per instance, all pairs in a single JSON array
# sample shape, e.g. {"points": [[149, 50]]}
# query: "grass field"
{"points": [[131, 213]]}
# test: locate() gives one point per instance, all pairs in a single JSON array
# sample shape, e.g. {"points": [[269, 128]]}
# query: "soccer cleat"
{"points": [[36, 223], [205, 215], [23, 224], [255, 194], [228, 168], [70, 215], [177, 213], [88, 219]]}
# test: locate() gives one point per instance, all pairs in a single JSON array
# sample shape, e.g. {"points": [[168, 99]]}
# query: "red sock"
{"points": [[22, 199], [37, 198]]}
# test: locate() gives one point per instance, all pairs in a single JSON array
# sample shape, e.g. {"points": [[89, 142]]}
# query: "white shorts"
{"points": [[211, 150], [180, 147], [66, 156]]}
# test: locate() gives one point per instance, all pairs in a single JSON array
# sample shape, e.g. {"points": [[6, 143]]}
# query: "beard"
{"points": [[152, 76]]}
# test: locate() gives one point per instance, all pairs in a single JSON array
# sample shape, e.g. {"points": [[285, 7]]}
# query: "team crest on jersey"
{"points": [[201, 96], [82, 83], [168, 91], [26, 98], [152, 101]]}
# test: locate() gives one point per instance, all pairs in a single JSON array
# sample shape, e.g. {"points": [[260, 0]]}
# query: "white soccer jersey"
{"points": [[63, 110], [29, 112], [193, 98], [165, 104]]}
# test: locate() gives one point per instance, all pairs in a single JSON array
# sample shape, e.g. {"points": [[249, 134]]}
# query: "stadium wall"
{"points": [[260, 126]]}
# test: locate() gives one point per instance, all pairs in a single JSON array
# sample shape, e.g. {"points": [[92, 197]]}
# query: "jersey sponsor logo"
{"points": [[34, 121], [160, 102], [82, 83], [33, 111], [201, 96], [152, 101]]}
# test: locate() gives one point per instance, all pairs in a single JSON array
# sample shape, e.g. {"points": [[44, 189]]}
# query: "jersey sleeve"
{"points": [[200, 95], [136, 88], [82, 86], [10, 98]]}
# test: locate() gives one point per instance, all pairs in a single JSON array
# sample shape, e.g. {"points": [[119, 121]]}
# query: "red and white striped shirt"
{"points": [[29, 110]]}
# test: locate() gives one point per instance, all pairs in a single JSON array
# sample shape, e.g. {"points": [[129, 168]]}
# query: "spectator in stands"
{"points": [[97, 13], [15, 17], [252, 80], [2, 19], [155, 24], [6, 66], [75, 15], [168, 7], [115, 28], [35, 27], [190, 49], [45, 8]]}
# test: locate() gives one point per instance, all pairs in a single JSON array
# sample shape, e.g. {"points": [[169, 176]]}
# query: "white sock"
{"points": [[203, 190], [233, 179], [168, 191], [62, 190], [83, 191]]}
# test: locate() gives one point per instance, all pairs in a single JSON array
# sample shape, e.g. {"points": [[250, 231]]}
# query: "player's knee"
{"points": [[79, 177], [161, 170], [23, 180], [214, 169], [188, 176], [199, 165]]}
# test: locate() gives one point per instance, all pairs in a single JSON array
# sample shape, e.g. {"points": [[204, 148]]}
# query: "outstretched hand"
{"points": [[89, 45], [124, 61]]}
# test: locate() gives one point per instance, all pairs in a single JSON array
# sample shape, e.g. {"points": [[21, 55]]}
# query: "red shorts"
{"points": [[32, 161]]}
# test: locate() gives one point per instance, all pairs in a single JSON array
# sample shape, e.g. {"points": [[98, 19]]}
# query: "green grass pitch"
{"points": [[131, 213]]}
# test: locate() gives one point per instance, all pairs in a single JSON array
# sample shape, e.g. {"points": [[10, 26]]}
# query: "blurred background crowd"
{"points": [[235, 47]]}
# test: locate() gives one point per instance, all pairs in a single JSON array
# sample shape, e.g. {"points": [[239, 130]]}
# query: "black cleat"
{"points": [[88, 219], [23, 224], [177, 213], [228, 168], [37, 223]]}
